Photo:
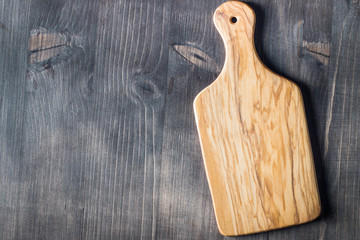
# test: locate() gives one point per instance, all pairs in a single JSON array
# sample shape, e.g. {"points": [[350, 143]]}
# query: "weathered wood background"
{"points": [[97, 133]]}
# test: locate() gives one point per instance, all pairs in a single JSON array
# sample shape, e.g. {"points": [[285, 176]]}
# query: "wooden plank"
{"points": [[131, 57], [14, 28], [59, 68], [341, 133]]}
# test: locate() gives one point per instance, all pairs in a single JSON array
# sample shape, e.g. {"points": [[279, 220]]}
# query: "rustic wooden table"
{"points": [[97, 132]]}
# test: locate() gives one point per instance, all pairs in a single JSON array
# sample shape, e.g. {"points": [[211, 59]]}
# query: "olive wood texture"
{"points": [[254, 137]]}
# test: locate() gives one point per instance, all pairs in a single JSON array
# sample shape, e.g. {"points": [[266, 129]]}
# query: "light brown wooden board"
{"points": [[254, 137]]}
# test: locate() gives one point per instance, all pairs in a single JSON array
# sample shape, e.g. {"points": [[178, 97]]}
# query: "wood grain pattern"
{"points": [[254, 137], [97, 132]]}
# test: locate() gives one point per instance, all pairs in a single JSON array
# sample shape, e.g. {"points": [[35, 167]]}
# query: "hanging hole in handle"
{"points": [[233, 20]]}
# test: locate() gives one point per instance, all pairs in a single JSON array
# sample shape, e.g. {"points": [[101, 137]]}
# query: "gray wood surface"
{"points": [[97, 133]]}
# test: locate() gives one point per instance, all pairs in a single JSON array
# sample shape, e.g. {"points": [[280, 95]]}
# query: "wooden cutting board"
{"points": [[254, 137]]}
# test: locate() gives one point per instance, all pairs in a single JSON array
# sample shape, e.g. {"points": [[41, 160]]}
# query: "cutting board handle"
{"points": [[235, 22]]}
